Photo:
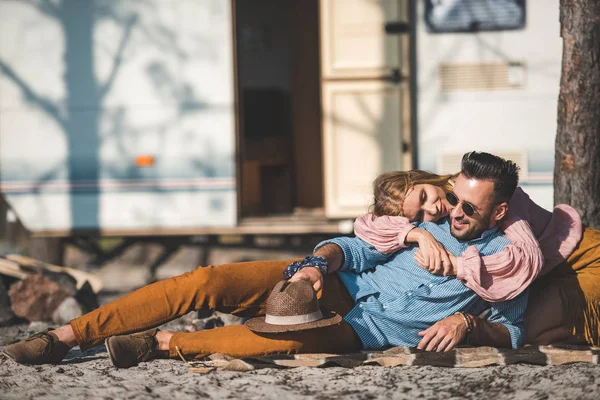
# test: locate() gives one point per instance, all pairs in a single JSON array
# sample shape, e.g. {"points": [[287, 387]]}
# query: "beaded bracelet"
{"points": [[308, 261], [467, 323]]}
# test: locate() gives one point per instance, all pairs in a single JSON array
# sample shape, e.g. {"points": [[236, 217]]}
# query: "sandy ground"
{"points": [[90, 375]]}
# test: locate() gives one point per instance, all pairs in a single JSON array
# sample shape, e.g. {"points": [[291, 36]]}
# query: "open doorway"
{"points": [[279, 113]]}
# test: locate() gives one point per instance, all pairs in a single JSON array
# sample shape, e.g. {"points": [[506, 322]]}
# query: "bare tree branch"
{"points": [[31, 96], [49, 8], [46, 7], [159, 35], [118, 57]]}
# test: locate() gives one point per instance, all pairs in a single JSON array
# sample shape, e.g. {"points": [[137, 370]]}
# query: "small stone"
{"points": [[36, 297], [37, 326], [67, 310], [230, 319]]}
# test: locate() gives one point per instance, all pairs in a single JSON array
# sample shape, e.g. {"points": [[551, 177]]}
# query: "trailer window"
{"points": [[443, 16]]}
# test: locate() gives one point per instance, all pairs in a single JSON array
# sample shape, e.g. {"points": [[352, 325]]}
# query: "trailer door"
{"points": [[363, 96]]}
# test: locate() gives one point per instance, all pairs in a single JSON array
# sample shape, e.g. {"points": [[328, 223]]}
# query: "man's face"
{"points": [[480, 195]]}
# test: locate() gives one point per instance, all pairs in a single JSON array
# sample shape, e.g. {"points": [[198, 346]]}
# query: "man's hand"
{"points": [[311, 274], [431, 255], [444, 334]]}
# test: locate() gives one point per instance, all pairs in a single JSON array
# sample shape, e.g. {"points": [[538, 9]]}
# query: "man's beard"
{"points": [[476, 228]]}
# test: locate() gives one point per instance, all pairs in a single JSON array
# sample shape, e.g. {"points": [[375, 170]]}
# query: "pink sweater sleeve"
{"points": [[561, 236], [504, 275], [558, 232], [386, 233]]}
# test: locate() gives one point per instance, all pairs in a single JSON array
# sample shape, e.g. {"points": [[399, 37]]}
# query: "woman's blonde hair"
{"points": [[391, 188]]}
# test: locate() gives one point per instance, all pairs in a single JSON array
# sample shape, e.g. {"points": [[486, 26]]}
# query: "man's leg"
{"points": [[240, 288], [128, 350], [239, 341]]}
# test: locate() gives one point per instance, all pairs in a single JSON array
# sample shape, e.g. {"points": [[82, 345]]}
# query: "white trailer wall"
{"points": [[520, 117], [117, 114]]}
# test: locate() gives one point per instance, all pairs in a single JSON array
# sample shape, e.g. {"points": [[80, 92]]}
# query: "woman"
{"points": [[569, 280]]}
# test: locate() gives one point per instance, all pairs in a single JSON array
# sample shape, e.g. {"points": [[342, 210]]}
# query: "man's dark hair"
{"points": [[486, 166]]}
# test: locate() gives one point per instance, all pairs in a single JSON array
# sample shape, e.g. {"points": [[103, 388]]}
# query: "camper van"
{"points": [[267, 117]]}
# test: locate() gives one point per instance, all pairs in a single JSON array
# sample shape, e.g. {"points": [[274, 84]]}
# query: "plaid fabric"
{"points": [[462, 357]]}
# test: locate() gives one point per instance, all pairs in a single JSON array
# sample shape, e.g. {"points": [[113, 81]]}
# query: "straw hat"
{"points": [[292, 306]]}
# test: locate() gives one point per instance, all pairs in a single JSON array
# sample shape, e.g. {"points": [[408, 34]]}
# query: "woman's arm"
{"points": [[499, 277], [504, 275], [557, 232], [561, 236], [387, 234]]}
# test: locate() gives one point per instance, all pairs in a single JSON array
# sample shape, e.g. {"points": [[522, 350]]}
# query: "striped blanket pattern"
{"points": [[462, 357]]}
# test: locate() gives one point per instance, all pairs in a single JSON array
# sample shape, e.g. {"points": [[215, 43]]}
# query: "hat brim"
{"points": [[259, 325]]}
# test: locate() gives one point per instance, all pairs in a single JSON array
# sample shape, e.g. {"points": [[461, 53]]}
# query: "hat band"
{"points": [[293, 319]]}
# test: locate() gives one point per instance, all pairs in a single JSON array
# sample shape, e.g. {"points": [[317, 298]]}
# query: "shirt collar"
{"points": [[485, 234], [446, 223]]}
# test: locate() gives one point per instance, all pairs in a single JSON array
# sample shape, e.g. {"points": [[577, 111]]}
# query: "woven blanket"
{"points": [[462, 357]]}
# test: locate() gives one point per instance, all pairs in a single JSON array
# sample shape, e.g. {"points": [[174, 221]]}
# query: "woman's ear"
{"points": [[500, 211]]}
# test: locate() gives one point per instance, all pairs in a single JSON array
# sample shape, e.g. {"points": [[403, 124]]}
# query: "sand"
{"points": [[90, 375]]}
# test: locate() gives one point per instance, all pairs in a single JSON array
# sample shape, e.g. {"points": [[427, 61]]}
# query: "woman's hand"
{"points": [[431, 255]]}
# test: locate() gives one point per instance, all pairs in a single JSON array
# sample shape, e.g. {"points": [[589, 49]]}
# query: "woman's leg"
{"points": [[565, 304], [544, 322], [240, 288]]}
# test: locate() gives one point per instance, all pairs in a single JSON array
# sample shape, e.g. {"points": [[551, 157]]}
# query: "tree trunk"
{"points": [[577, 156]]}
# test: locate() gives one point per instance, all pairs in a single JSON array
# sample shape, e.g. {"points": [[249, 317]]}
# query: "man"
{"points": [[389, 311], [384, 300]]}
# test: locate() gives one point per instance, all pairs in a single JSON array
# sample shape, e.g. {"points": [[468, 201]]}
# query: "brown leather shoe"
{"points": [[129, 350], [41, 348]]}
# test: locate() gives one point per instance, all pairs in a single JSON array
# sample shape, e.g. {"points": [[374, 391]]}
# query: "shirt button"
{"points": [[431, 285], [360, 305], [409, 293]]}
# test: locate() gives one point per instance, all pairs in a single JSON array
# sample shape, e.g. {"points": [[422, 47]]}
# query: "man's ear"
{"points": [[500, 211]]}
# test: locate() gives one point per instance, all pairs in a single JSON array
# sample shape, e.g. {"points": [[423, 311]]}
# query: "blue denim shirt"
{"points": [[395, 298]]}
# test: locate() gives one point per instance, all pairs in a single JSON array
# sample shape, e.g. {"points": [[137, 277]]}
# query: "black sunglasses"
{"points": [[467, 208]]}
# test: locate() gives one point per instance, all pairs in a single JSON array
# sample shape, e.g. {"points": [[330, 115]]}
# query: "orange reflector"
{"points": [[144, 161]]}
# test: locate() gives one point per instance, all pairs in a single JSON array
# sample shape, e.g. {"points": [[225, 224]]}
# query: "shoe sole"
{"points": [[110, 354], [11, 357], [5, 354]]}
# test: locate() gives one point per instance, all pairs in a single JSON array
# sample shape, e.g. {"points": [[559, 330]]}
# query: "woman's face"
{"points": [[426, 203]]}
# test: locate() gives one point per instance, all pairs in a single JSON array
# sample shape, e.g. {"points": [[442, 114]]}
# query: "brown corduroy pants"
{"points": [[578, 283], [240, 289]]}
